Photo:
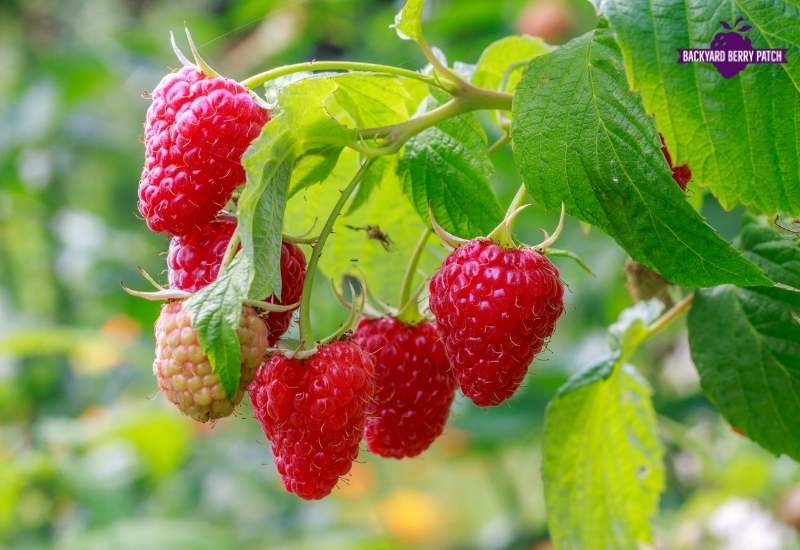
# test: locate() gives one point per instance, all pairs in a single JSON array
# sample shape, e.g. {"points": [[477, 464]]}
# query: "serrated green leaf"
{"points": [[408, 21], [582, 138], [779, 24], [215, 312], [776, 255], [740, 136], [350, 251], [447, 168], [268, 165], [745, 343], [602, 467], [498, 59]]}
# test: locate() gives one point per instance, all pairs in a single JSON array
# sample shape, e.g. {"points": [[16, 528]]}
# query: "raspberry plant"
{"points": [[381, 154]]}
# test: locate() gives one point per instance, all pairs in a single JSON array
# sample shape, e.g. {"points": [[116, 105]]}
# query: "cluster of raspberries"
{"points": [[389, 383], [195, 133]]}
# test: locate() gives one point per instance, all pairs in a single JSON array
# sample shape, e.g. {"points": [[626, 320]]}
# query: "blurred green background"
{"points": [[92, 457]]}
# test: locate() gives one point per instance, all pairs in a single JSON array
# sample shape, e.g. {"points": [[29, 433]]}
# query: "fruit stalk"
{"points": [[470, 98], [316, 252], [665, 320], [409, 312]]}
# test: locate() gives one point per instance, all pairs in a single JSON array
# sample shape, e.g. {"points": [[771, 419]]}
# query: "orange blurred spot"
{"points": [[453, 441], [123, 327], [92, 411], [411, 516], [358, 483]]}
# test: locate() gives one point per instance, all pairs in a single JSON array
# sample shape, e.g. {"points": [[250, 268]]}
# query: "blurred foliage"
{"points": [[91, 456]]}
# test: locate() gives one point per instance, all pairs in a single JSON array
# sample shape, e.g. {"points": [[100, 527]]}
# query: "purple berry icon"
{"points": [[731, 41]]}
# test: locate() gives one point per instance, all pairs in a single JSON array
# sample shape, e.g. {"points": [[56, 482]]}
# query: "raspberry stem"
{"points": [[409, 312], [316, 252], [665, 320], [503, 233], [502, 140], [469, 98], [266, 76]]}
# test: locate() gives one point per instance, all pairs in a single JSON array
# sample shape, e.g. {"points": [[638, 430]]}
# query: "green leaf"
{"points": [[372, 178], [602, 467], [448, 168], [365, 100], [777, 256], [268, 164], [351, 251], [778, 22], [408, 21], [216, 311], [306, 107], [740, 136], [502, 60], [582, 138], [745, 343], [313, 167]]}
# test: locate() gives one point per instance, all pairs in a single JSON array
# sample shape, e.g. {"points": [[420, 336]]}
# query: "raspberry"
{"points": [[494, 307], [293, 276], [313, 412], [184, 372], [681, 174], [194, 261], [415, 386], [196, 130]]}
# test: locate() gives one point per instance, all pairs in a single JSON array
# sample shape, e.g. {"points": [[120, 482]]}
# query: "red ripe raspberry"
{"points": [[183, 371], [293, 276], [414, 386], [193, 260], [195, 133], [313, 412], [495, 307]]}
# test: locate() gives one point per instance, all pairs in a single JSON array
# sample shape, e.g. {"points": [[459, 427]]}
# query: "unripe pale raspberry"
{"points": [[195, 133], [495, 308], [193, 262], [184, 373], [313, 412], [415, 386]]}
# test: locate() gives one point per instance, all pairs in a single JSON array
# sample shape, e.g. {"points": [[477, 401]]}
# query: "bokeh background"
{"points": [[92, 457]]}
